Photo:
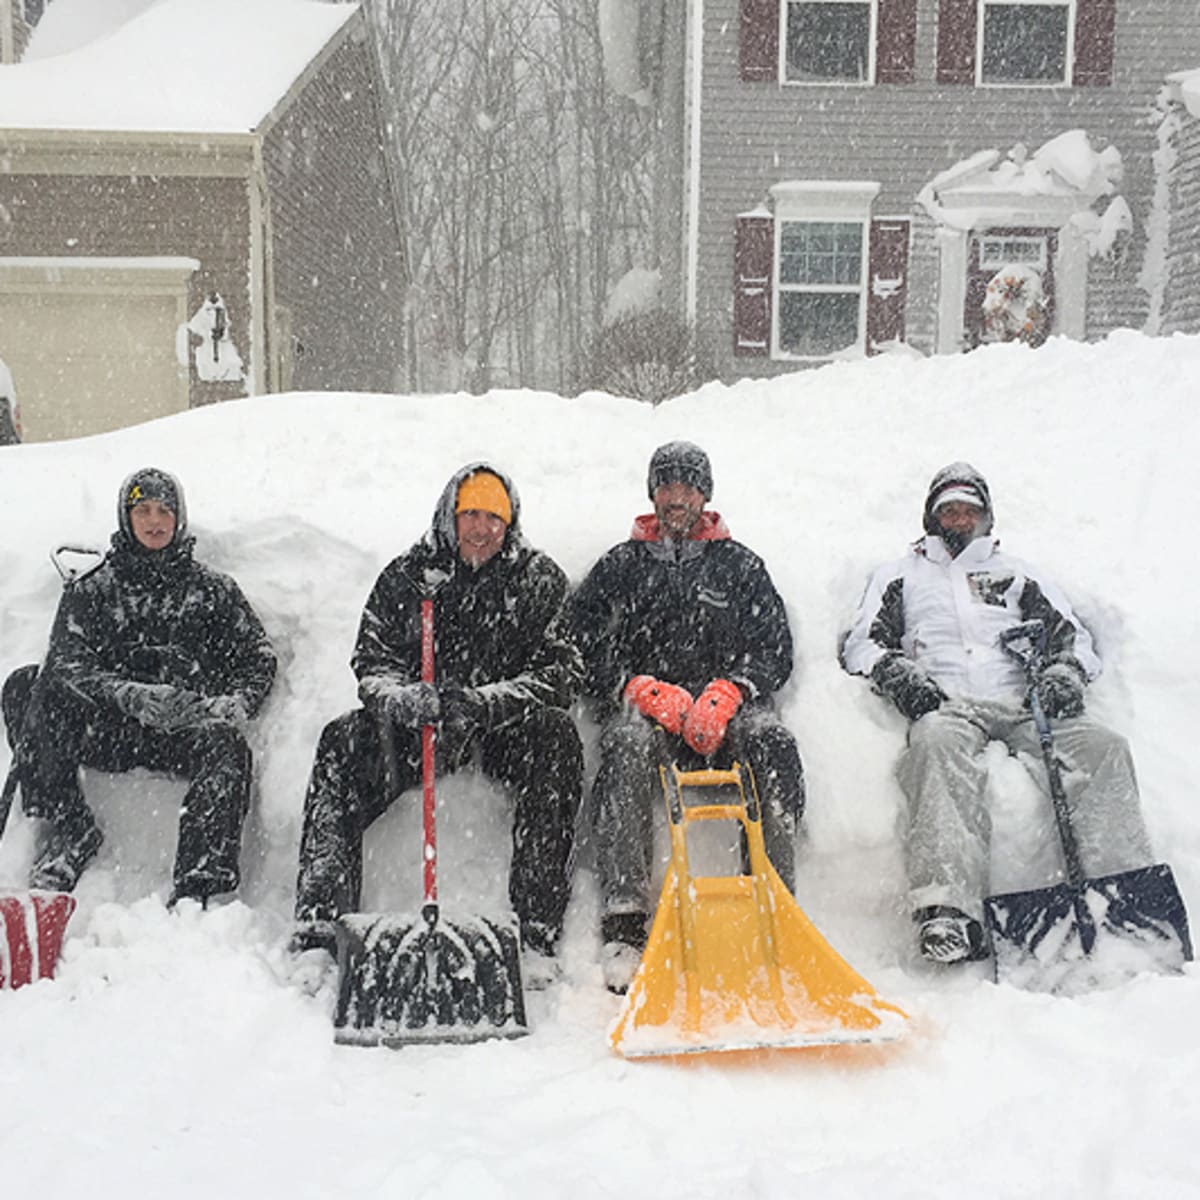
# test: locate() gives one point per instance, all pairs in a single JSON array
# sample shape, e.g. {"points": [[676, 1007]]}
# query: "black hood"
{"points": [[960, 474], [443, 533], [150, 483]]}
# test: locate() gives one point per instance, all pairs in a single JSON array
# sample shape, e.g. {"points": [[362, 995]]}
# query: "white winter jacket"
{"points": [[947, 614]]}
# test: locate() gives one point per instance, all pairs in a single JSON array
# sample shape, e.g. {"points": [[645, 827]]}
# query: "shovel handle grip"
{"points": [[428, 808]]}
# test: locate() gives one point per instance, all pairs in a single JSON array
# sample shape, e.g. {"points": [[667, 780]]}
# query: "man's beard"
{"points": [[957, 541]]}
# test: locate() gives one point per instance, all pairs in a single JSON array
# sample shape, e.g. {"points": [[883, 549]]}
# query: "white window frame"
{"points": [[1068, 57], [994, 261], [824, 201], [872, 37]]}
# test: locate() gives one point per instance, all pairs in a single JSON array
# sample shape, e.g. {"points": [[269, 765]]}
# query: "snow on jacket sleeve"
{"points": [[762, 659], [878, 624], [596, 609], [1067, 638]]}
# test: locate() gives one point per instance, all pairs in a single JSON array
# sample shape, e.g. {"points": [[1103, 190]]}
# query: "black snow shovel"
{"points": [[428, 978], [1084, 933]]}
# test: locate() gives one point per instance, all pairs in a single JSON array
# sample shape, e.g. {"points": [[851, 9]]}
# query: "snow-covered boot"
{"points": [[540, 967], [624, 937], [948, 935], [66, 851]]}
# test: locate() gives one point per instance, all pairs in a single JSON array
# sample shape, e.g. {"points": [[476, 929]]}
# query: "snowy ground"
{"points": [[171, 1056]]}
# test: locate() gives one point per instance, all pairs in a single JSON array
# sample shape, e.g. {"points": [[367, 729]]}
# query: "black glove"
{"points": [[160, 705], [407, 705], [1060, 689], [463, 710], [908, 687]]}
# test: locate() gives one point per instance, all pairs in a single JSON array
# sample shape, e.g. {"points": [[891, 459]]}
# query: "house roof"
{"points": [[220, 66]]}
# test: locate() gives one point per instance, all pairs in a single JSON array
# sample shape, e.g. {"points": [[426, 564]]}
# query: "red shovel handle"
{"points": [[427, 796]]}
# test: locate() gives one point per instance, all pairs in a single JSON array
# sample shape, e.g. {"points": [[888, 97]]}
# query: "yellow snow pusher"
{"points": [[732, 962]]}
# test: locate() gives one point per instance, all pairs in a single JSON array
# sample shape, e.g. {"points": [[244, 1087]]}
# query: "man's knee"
{"points": [[14, 700], [936, 732], [627, 737]]}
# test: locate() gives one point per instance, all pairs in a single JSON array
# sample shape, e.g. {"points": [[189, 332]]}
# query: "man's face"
{"points": [[959, 517], [678, 507], [153, 524], [480, 536]]}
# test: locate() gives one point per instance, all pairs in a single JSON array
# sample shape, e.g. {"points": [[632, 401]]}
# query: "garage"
{"points": [[91, 342]]}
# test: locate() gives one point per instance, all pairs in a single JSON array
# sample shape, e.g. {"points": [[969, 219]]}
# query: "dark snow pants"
{"points": [[627, 792], [539, 760], [54, 733]]}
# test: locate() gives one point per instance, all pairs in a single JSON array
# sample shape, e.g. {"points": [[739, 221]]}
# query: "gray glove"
{"points": [[408, 705], [160, 705], [907, 686], [227, 709], [1060, 689]]}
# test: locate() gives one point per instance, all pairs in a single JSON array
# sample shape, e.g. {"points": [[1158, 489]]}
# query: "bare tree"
{"points": [[521, 185]]}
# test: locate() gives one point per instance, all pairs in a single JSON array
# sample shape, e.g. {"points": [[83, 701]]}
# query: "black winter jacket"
{"points": [[158, 617], [686, 613], [500, 626]]}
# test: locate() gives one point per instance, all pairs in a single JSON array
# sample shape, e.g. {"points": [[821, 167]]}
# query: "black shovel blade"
{"points": [[427, 979], [1068, 939]]}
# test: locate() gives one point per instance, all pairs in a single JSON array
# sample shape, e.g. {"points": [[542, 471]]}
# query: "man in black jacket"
{"points": [[506, 674], [682, 631], [155, 661]]}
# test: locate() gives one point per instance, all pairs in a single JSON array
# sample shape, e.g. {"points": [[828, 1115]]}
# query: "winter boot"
{"points": [[540, 967], [948, 935], [65, 852], [624, 938]]}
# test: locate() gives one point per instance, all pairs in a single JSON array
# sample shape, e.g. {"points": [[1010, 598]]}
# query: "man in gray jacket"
{"points": [[927, 634]]}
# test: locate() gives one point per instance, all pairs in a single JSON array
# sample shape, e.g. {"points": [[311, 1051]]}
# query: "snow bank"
{"points": [[206, 1071]]}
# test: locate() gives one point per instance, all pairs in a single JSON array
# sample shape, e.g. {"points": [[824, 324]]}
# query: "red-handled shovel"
{"points": [[430, 978]]}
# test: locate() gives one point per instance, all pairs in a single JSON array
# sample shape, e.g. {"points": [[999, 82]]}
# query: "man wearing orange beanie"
{"points": [[681, 630], [506, 673]]}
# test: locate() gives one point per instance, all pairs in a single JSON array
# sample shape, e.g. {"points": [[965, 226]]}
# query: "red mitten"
{"points": [[666, 703], [704, 729]]}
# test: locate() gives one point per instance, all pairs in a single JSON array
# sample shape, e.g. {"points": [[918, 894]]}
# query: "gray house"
{"points": [[841, 176], [192, 208]]}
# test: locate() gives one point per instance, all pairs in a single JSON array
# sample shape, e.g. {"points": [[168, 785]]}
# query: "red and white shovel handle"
{"points": [[429, 813]]}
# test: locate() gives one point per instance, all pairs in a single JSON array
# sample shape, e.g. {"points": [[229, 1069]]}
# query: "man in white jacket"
{"points": [[927, 634]]}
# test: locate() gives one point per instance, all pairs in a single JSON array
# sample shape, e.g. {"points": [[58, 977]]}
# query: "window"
{"points": [[997, 252], [829, 41], [1025, 41], [815, 276], [820, 287]]}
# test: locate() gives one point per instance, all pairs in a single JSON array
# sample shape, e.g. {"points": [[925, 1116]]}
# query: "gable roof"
{"points": [[220, 66]]}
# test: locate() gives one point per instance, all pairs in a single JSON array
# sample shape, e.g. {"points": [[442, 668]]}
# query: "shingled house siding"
{"points": [[336, 251], [753, 136], [141, 216]]}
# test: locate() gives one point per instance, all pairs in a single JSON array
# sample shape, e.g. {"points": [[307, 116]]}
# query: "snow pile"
{"points": [[207, 1073], [215, 67]]}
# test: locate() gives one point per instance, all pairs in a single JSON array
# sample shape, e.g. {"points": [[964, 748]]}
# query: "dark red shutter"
{"points": [[887, 283], [956, 41], [753, 255], [758, 41], [896, 47], [1095, 32]]}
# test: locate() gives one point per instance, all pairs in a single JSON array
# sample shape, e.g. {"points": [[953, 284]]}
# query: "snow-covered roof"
{"points": [[1066, 173], [1189, 89], [220, 66]]}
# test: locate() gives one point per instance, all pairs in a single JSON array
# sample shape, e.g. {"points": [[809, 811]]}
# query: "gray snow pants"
{"points": [[949, 826], [627, 792]]}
